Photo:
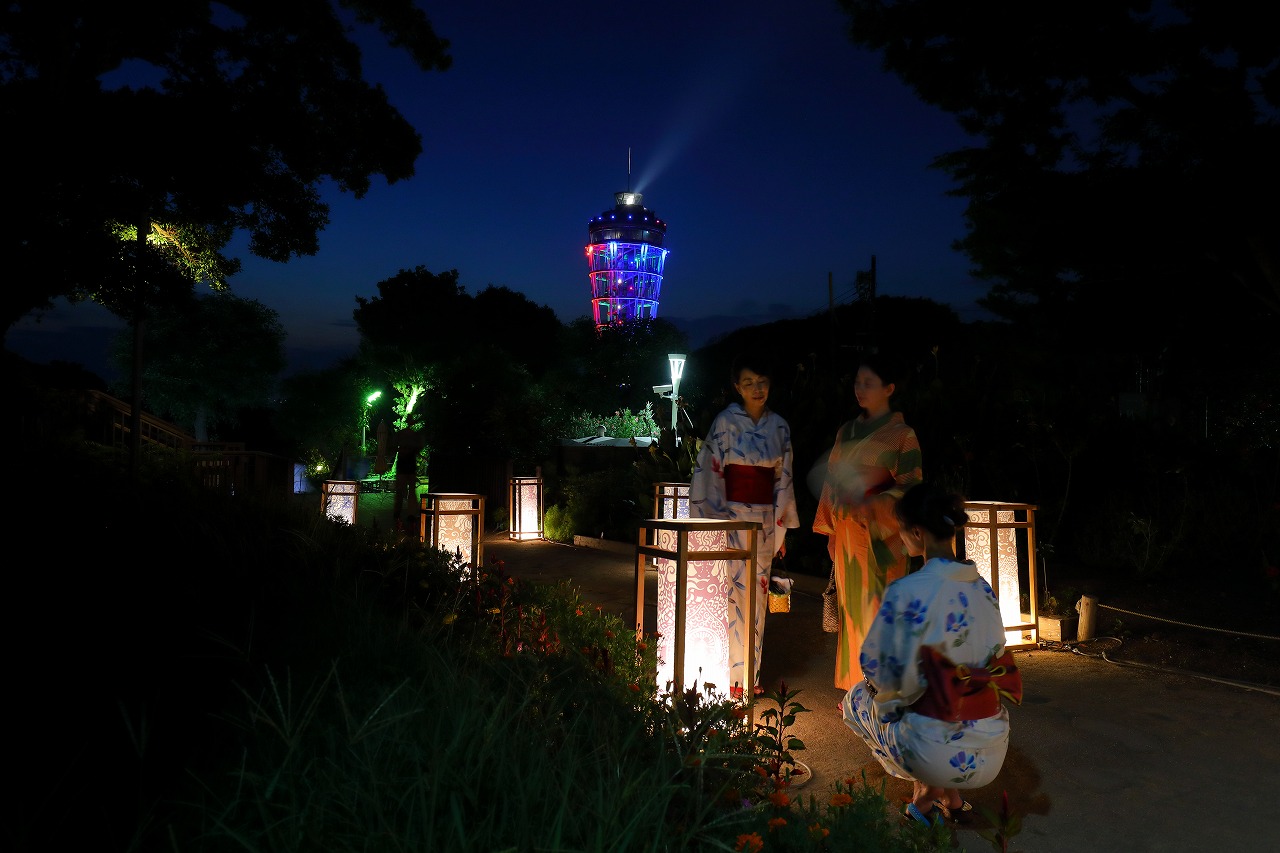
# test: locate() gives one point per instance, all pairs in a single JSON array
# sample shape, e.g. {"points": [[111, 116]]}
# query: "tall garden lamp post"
{"points": [[364, 430], [677, 370]]}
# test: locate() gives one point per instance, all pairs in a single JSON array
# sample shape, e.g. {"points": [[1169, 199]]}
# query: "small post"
{"points": [[1087, 607]]}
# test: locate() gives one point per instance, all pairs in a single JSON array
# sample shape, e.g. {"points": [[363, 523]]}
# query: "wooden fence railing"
{"points": [[221, 465]]}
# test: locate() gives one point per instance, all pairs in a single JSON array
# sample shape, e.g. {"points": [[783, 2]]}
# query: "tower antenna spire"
{"points": [[628, 168]]}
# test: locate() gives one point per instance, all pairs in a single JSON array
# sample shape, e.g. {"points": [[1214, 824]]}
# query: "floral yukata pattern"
{"points": [[949, 606], [734, 439]]}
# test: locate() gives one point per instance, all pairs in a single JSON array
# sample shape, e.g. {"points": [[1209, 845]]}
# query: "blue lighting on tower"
{"points": [[625, 260]]}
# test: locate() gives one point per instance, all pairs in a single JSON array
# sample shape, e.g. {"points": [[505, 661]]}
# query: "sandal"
{"points": [[963, 814], [913, 815]]}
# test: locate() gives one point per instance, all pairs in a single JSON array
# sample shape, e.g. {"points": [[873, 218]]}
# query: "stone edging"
{"points": [[605, 545]]}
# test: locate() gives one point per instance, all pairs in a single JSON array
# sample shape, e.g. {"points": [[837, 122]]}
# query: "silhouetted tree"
{"points": [[210, 358], [1123, 174], [179, 124]]}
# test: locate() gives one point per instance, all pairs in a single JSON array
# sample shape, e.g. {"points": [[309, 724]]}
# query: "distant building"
{"points": [[625, 260]]}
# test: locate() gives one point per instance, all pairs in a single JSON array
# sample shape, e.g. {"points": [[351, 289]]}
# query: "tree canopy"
{"points": [[197, 119], [1124, 165], [210, 358]]}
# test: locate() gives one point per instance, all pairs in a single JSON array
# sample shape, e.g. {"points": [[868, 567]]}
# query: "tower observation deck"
{"points": [[625, 260]]}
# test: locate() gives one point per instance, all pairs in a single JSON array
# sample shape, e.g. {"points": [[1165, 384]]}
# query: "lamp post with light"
{"points": [[677, 370]]}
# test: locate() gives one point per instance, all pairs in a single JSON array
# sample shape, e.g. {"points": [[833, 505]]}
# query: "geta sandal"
{"points": [[963, 814]]}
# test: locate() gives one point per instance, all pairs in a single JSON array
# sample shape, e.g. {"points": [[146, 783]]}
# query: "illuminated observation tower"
{"points": [[625, 260]]}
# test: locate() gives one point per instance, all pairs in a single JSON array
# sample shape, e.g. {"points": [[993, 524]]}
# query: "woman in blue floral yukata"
{"points": [[946, 611], [744, 473]]}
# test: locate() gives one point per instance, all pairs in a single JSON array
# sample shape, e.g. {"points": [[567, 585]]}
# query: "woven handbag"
{"points": [[830, 606]]}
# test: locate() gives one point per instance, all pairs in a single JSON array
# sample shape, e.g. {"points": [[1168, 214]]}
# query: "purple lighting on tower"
{"points": [[625, 260]]}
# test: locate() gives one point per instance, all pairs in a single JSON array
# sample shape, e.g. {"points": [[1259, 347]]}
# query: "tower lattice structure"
{"points": [[625, 260]]}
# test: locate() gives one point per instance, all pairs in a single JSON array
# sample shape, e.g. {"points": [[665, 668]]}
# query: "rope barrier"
{"points": [[1108, 643], [1188, 624]]}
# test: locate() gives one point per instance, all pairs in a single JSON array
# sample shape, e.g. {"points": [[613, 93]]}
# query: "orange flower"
{"points": [[635, 688], [841, 800], [609, 634], [775, 822], [818, 832], [752, 843], [780, 799], [578, 611]]}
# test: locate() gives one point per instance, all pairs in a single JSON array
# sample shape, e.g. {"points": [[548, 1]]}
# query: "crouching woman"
{"points": [[936, 672]]}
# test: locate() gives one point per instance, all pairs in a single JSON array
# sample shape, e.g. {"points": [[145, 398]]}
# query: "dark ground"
{"points": [[1184, 624]]}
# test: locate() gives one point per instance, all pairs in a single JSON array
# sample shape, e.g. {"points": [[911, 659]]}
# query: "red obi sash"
{"points": [[957, 692], [749, 484]]}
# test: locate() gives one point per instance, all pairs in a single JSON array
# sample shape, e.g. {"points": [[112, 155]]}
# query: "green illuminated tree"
{"points": [[487, 360]]}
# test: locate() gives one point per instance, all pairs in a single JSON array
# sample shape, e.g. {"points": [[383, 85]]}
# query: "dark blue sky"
{"points": [[777, 153]]}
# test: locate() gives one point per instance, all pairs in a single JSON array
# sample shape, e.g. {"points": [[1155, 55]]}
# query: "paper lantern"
{"points": [[339, 499], [670, 500], [694, 564], [454, 522], [1000, 538], [525, 517]]}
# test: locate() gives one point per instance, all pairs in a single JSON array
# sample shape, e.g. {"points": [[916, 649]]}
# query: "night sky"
{"points": [[778, 154]]}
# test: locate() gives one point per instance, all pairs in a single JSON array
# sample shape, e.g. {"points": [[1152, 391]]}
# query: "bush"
{"points": [[621, 424], [557, 525], [603, 504]]}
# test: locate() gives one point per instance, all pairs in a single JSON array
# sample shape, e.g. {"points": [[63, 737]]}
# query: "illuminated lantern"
{"points": [[339, 499], [1000, 538], [453, 522], [525, 516], [694, 563], [670, 500]]}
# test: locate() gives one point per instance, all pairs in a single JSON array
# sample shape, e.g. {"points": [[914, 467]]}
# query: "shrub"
{"points": [[603, 504], [556, 524], [621, 424]]}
